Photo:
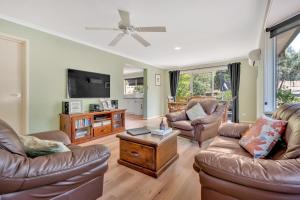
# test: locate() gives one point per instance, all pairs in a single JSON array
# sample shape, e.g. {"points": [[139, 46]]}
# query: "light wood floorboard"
{"points": [[178, 182]]}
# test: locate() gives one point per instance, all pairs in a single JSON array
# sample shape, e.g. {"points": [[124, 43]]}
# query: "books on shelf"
{"points": [[97, 124], [117, 117], [161, 132], [82, 123], [102, 123], [100, 118], [80, 134], [106, 122]]}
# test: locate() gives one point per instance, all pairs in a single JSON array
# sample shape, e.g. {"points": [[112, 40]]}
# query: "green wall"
{"points": [[50, 56]]}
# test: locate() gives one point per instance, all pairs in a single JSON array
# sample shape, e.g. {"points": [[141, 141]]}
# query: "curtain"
{"points": [[234, 71], [174, 78]]}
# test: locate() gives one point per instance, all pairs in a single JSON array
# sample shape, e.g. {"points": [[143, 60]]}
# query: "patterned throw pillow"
{"points": [[262, 136]]}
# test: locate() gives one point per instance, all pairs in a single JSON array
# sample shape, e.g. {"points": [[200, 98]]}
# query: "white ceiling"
{"points": [[281, 10], [206, 30]]}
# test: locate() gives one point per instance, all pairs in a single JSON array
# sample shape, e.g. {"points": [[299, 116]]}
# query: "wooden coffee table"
{"points": [[149, 154]]}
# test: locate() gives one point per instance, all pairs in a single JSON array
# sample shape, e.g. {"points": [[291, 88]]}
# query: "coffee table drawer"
{"points": [[138, 154]]}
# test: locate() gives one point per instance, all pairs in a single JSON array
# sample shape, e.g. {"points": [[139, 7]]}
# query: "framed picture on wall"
{"points": [[157, 79]]}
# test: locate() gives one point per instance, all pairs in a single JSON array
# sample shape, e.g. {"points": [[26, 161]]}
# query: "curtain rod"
{"points": [[202, 68]]}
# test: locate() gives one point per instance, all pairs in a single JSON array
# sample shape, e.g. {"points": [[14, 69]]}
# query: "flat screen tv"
{"points": [[82, 84]]}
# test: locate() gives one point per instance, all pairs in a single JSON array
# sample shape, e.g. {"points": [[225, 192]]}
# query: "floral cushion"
{"points": [[262, 136]]}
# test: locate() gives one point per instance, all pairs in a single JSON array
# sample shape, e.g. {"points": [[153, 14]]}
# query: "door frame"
{"points": [[145, 103], [25, 88]]}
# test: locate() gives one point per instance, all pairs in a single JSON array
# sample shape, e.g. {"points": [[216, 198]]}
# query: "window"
{"points": [[134, 86], [288, 67], [184, 88], [282, 64], [205, 83]]}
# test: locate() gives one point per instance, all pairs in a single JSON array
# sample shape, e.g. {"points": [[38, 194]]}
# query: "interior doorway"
{"points": [[134, 90], [13, 83]]}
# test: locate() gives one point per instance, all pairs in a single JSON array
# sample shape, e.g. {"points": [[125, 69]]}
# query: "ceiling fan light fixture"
{"points": [[177, 48], [127, 29]]}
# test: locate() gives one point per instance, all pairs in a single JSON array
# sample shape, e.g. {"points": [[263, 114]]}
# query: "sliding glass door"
{"points": [[288, 67]]}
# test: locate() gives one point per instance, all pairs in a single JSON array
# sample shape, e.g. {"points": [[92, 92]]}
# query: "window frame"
{"points": [[270, 74], [212, 71], [136, 80]]}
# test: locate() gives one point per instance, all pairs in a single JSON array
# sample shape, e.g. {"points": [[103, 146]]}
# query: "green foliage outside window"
{"points": [[288, 67], [139, 89], [202, 84], [183, 89], [224, 96], [220, 77], [288, 72], [285, 96]]}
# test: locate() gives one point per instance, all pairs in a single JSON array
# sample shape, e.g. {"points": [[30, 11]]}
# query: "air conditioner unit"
{"points": [[254, 56]]}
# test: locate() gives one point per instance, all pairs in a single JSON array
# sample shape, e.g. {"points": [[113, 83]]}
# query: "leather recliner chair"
{"points": [[199, 129], [228, 172], [77, 174]]}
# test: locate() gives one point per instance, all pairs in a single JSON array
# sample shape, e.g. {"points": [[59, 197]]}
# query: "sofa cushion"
{"points": [[233, 130], [287, 112], [9, 139], [262, 136], [196, 112], [208, 105], [184, 124], [290, 113], [187, 134], [35, 147], [227, 145]]}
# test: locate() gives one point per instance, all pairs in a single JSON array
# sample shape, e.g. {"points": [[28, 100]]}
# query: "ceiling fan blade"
{"points": [[116, 39], [125, 20], [140, 40], [101, 28], [151, 29]]}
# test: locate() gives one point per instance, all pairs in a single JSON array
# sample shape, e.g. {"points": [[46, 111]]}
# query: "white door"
{"points": [[12, 83]]}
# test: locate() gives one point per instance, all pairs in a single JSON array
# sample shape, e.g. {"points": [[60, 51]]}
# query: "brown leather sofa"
{"points": [[77, 174], [200, 129], [228, 172]]}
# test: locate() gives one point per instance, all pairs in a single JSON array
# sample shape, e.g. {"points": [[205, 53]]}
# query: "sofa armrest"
{"points": [[26, 173], [176, 116], [233, 130], [271, 175], [206, 120], [53, 135]]}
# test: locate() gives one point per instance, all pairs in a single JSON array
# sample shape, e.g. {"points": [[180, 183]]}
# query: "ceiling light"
{"points": [[177, 48]]}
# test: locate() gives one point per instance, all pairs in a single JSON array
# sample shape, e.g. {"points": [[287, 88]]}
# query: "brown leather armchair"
{"points": [[202, 128], [228, 172], [77, 174]]}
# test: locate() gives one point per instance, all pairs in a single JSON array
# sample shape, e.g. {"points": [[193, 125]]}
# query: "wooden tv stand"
{"points": [[84, 127]]}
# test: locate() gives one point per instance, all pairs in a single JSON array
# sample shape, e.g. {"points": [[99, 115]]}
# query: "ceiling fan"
{"points": [[127, 29]]}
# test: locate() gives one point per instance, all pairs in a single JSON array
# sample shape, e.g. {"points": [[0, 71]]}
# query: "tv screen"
{"points": [[83, 84]]}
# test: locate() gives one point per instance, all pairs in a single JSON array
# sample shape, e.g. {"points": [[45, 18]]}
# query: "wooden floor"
{"points": [[178, 182]]}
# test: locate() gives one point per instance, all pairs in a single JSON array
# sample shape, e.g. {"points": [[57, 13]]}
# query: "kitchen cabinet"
{"points": [[134, 105]]}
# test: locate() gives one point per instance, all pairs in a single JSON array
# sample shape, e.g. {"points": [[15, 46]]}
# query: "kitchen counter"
{"points": [[133, 97]]}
